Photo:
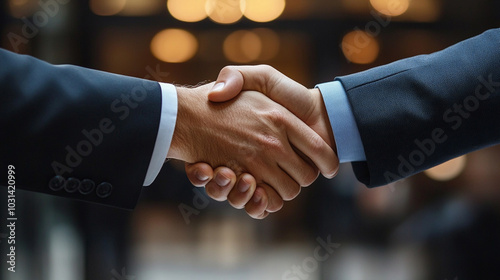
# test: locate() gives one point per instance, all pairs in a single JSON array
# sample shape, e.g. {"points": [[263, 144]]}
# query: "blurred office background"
{"points": [[440, 224]]}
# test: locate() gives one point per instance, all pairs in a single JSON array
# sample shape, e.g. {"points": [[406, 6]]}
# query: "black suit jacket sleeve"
{"points": [[75, 132], [419, 112]]}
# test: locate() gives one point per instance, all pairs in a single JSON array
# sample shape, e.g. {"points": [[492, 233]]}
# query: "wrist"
{"points": [[182, 137], [323, 125]]}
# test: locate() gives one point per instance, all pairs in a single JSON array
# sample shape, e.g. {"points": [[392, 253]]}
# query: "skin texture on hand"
{"points": [[248, 134], [304, 103]]}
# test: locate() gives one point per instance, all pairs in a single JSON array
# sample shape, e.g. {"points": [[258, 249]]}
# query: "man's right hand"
{"points": [[304, 103], [253, 134]]}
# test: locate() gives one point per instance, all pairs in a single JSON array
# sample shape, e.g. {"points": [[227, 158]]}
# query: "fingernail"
{"points": [[243, 186], [218, 87], [222, 180], [257, 197], [331, 176], [202, 177]]}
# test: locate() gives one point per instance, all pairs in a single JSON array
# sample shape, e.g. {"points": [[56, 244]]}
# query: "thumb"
{"points": [[267, 80], [228, 85]]}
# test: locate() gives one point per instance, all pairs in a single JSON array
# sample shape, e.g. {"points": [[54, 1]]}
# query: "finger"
{"points": [[313, 146], [265, 79], [278, 179], [199, 174], [274, 200], [263, 216], [308, 162], [234, 79], [256, 207], [302, 170], [282, 90], [242, 192], [222, 183], [228, 85]]}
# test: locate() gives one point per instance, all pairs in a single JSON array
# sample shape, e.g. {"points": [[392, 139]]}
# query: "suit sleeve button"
{"points": [[72, 185], [104, 190], [86, 186], [57, 183]]}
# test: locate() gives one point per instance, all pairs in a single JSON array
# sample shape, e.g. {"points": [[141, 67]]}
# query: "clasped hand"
{"points": [[265, 134]]}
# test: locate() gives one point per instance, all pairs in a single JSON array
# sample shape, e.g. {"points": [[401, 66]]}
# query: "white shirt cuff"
{"points": [[344, 127], [165, 131]]}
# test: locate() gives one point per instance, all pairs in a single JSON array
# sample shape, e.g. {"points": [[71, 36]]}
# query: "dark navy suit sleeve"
{"points": [[419, 112], [76, 132]]}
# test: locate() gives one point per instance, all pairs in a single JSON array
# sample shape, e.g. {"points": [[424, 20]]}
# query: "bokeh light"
{"points": [[423, 11], [143, 7], [360, 47], [270, 43], [391, 7], [174, 45], [107, 7], [224, 11], [263, 10], [242, 46], [448, 170], [187, 10], [125, 7]]}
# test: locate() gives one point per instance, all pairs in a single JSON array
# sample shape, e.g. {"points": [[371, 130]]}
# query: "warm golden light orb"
{"points": [[263, 10], [360, 47], [448, 170], [107, 7], [391, 7], [187, 10], [224, 11], [242, 46], [174, 45]]}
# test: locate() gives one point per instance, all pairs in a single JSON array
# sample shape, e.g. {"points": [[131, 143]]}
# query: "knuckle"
{"points": [[235, 165], [247, 153], [276, 116], [271, 144]]}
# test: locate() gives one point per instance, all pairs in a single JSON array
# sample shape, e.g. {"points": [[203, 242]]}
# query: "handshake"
{"points": [[254, 137], [265, 135]]}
